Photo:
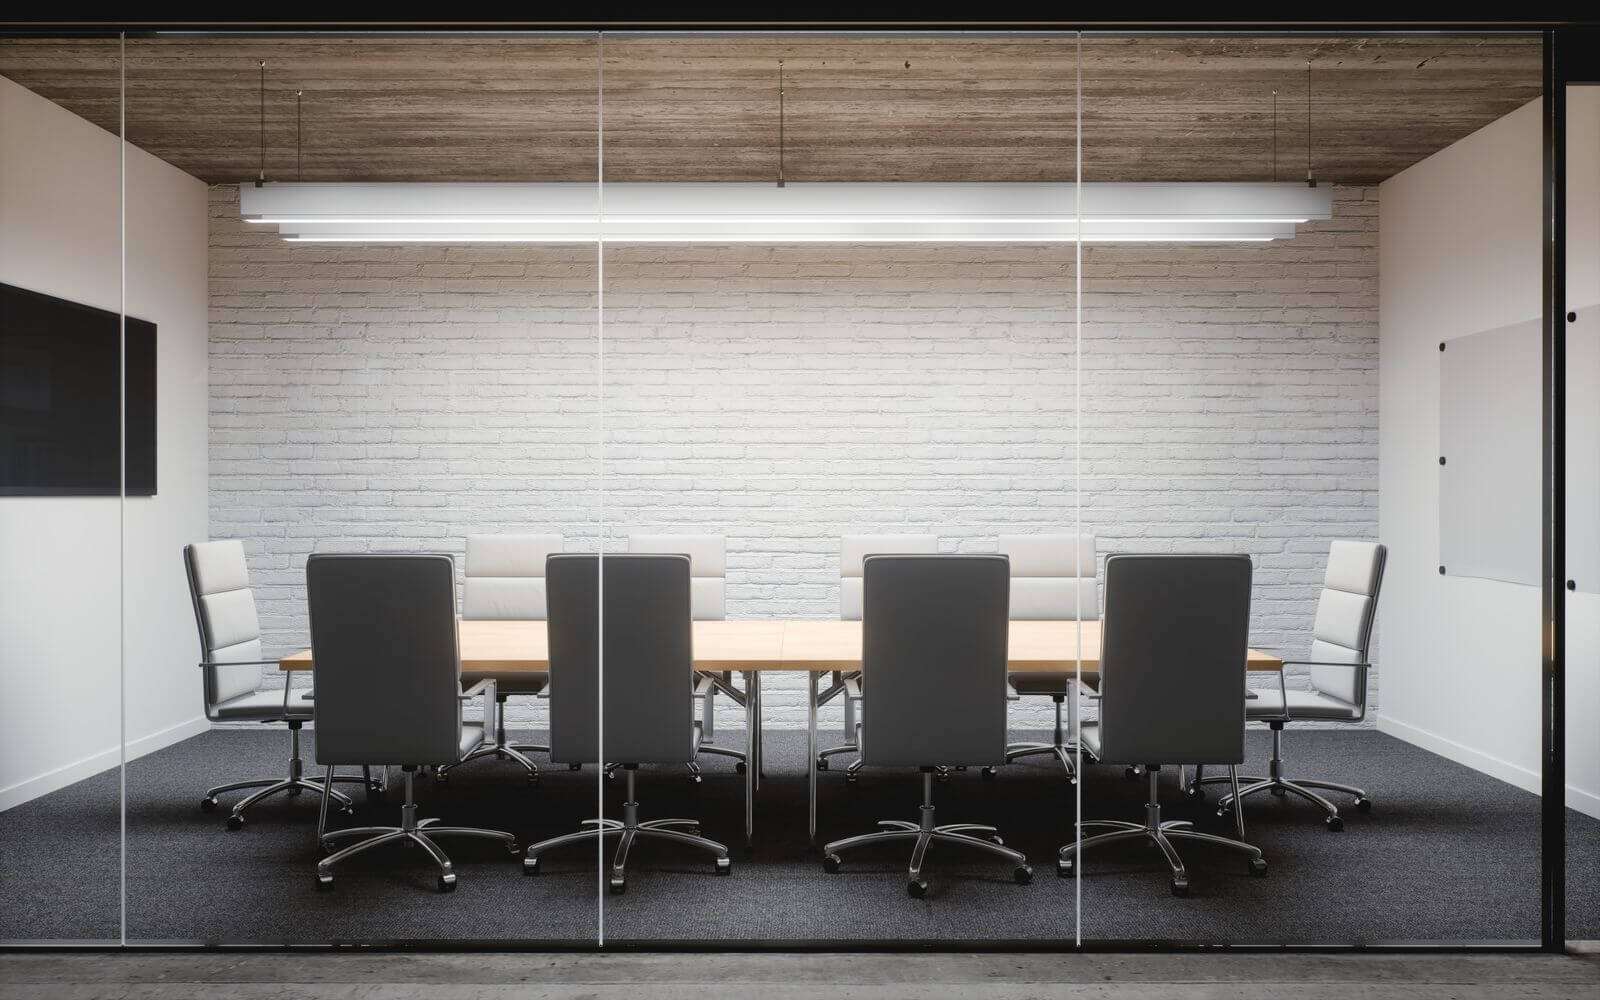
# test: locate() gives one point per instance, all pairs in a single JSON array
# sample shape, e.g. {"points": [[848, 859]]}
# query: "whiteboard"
{"points": [[1491, 448]]}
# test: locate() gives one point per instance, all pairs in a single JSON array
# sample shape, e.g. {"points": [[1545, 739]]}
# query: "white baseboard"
{"points": [[1524, 778], [61, 777]]}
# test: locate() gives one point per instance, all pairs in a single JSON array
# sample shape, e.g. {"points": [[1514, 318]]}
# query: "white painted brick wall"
{"points": [[391, 398]]}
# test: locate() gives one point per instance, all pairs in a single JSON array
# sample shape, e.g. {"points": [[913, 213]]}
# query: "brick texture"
{"points": [[1222, 398]]}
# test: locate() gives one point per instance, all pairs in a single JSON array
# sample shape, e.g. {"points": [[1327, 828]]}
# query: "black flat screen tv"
{"points": [[59, 432]]}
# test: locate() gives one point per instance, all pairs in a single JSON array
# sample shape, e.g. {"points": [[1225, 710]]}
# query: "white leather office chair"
{"points": [[852, 550], [387, 664], [504, 580], [1341, 638], [1173, 655], [934, 638], [1052, 579], [649, 647], [230, 664], [708, 567]]}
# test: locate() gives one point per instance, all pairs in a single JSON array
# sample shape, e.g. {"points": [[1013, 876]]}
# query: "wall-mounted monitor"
{"points": [[59, 387]]}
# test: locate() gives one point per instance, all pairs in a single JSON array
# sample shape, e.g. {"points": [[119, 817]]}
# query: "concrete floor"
{"points": [[65, 976]]}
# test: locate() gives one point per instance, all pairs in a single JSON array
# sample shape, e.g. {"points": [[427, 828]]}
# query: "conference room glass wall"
{"points": [[389, 392], [1305, 372], [791, 389], [63, 517], [1369, 375]]}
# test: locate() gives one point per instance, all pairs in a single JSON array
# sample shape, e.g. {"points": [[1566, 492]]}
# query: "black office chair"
{"points": [[648, 697], [933, 680], [1172, 681], [388, 679]]}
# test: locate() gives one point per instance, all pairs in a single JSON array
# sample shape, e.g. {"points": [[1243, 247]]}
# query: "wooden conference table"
{"points": [[752, 648]]}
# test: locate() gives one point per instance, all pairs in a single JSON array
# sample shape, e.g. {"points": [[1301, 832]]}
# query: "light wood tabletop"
{"points": [[770, 645]]}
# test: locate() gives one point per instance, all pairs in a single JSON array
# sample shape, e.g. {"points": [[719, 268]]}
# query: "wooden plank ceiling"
{"points": [[470, 108]]}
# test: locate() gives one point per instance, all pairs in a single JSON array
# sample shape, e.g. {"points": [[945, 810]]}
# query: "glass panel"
{"points": [[378, 392], [61, 515], [1293, 400], [779, 407], [1583, 493]]}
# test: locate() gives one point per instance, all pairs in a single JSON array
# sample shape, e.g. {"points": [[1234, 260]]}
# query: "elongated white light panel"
{"points": [[796, 213]]}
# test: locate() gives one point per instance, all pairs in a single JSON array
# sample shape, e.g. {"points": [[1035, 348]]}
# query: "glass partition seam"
{"points": [[122, 487], [600, 445], [1077, 464]]}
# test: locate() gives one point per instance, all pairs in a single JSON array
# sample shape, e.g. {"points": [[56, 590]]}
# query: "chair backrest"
{"points": [[385, 660], [1052, 577], [854, 548], [1173, 658], [1345, 612], [505, 576], [933, 659], [225, 615], [649, 657], [708, 568]]}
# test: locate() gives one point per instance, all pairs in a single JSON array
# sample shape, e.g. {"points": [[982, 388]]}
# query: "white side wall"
{"points": [[61, 633], [1458, 253]]}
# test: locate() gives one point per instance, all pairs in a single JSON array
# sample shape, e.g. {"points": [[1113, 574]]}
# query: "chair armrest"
{"points": [[239, 663], [1325, 663]]}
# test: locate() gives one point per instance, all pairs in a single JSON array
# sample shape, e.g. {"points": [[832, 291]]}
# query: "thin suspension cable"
{"points": [[780, 123], [262, 103], [122, 483], [299, 169], [1311, 178]]}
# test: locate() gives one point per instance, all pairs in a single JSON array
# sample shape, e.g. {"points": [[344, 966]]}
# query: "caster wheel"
{"points": [[447, 883], [1131, 773], [724, 866], [850, 779], [1022, 875], [1194, 793], [513, 850], [997, 840], [208, 804], [740, 768], [236, 822], [324, 880], [694, 779], [574, 767], [1279, 792], [989, 773], [1335, 824], [1363, 804], [822, 764], [943, 776], [530, 866], [441, 777], [1258, 867], [1222, 811], [830, 864], [917, 888], [1180, 887], [1064, 868], [533, 780], [618, 885]]}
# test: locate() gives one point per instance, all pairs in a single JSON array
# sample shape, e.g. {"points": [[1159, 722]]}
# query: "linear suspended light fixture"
{"points": [[888, 212]]}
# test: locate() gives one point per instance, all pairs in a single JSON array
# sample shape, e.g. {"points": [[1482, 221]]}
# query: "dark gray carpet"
{"points": [[1448, 855]]}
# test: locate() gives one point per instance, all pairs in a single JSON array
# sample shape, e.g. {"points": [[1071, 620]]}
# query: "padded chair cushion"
{"points": [[261, 706], [531, 682], [503, 598], [854, 548], [708, 568], [1267, 705]]}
